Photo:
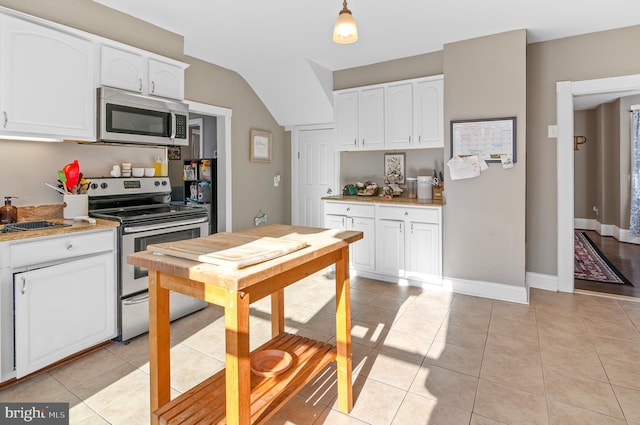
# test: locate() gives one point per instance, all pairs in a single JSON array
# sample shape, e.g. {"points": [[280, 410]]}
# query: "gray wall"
{"points": [[587, 190], [585, 57], [252, 183], [484, 217], [363, 166]]}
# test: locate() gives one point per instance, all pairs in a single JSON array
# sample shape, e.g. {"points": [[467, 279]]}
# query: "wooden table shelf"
{"points": [[235, 395], [206, 402]]}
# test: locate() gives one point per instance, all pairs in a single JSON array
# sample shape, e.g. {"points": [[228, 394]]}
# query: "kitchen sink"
{"points": [[32, 225]]}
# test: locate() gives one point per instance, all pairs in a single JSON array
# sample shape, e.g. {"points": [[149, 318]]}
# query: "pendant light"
{"points": [[345, 31]]}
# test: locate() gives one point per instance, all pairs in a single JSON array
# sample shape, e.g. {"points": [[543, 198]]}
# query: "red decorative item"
{"points": [[72, 173]]}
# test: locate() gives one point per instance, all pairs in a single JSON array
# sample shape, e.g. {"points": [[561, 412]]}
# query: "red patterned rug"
{"points": [[591, 264]]}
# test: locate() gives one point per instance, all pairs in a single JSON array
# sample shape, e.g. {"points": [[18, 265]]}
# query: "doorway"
{"points": [[313, 165], [223, 155], [566, 91]]}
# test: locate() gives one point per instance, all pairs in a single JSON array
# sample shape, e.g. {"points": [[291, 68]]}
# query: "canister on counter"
{"points": [[412, 187], [424, 188]]}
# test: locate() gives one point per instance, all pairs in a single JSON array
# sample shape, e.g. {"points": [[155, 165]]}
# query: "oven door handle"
{"points": [[138, 229], [138, 299]]}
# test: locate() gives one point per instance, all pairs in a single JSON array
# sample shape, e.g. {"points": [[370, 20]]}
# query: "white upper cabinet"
{"points": [[428, 113], [129, 70], [371, 118], [46, 82], [166, 80], [121, 69], [400, 115], [359, 119], [346, 120]]}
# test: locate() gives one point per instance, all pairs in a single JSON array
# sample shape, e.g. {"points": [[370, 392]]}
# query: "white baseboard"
{"points": [[622, 235], [542, 281], [476, 288], [493, 290]]}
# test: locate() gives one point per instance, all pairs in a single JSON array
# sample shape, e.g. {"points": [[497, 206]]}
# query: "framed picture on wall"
{"points": [[260, 146], [394, 167]]}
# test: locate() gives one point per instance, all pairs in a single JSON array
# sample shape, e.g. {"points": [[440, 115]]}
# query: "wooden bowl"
{"points": [[270, 363]]}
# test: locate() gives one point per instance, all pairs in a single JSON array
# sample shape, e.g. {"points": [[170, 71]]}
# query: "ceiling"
{"points": [[283, 48]]}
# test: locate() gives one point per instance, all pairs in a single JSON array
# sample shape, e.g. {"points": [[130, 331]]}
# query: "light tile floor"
{"points": [[420, 358]]}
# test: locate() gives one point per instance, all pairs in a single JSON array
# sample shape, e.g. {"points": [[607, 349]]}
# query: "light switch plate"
{"points": [[552, 131]]}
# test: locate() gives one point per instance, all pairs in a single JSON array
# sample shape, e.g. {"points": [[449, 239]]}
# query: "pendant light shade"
{"points": [[345, 31]]}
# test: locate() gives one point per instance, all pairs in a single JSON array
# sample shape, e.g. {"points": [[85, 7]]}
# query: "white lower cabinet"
{"points": [[360, 217], [400, 242], [409, 241], [64, 297]]}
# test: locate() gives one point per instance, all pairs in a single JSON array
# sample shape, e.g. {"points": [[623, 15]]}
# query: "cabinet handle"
{"points": [[362, 142], [355, 142], [406, 213], [400, 227], [343, 221], [6, 119], [140, 84], [153, 87], [329, 191], [409, 139], [411, 228], [419, 139], [24, 285], [348, 209], [352, 222], [69, 247]]}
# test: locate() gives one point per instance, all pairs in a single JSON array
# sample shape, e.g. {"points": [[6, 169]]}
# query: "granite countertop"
{"points": [[76, 226], [396, 200]]}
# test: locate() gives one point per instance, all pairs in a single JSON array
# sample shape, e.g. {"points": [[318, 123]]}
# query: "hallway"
{"points": [[625, 257]]}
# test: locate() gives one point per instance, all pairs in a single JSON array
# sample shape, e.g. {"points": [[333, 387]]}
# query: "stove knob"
{"points": [[103, 185], [164, 182], [94, 185], [157, 183]]}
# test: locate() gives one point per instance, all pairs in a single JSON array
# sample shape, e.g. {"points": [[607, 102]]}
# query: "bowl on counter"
{"points": [[137, 172], [149, 172]]}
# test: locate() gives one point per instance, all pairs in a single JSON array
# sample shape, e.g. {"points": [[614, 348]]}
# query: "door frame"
{"points": [[565, 92], [295, 165], [224, 159]]}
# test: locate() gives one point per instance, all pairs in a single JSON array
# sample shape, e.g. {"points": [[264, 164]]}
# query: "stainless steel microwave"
{"points": [[128, 117]]}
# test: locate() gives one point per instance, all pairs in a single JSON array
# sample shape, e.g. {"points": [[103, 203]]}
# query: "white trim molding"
{"points": [[621, 235], [542, 281]]}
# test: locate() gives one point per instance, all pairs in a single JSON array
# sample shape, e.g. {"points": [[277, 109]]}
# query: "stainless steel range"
{"points": [[143, 208]]}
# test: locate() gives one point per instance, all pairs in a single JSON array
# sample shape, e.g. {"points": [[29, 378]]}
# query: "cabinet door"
{"points": [[423, 252], [332, 221], [121, 69], [390, 247], [46, 81], [428, 114], [63, 309], [166, 80], [346, 120], [371, 118], [363, 251], [399, 115]]}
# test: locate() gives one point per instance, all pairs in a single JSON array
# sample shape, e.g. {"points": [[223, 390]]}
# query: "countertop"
{"points": [[76, 226], [396, 200]]}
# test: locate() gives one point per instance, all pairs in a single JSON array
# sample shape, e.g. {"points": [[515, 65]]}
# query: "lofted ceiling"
{"points": [[283, 48]]}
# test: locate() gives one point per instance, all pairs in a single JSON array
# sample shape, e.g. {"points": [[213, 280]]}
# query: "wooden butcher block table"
{"points": [[233, 270]]}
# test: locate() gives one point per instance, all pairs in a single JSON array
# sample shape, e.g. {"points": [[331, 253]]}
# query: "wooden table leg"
{"points": [[238, 371], [343, 332], [159, 344], [277, 313]]}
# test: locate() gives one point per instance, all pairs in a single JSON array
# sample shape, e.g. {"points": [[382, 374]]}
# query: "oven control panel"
{"points": [[106, 186]]}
